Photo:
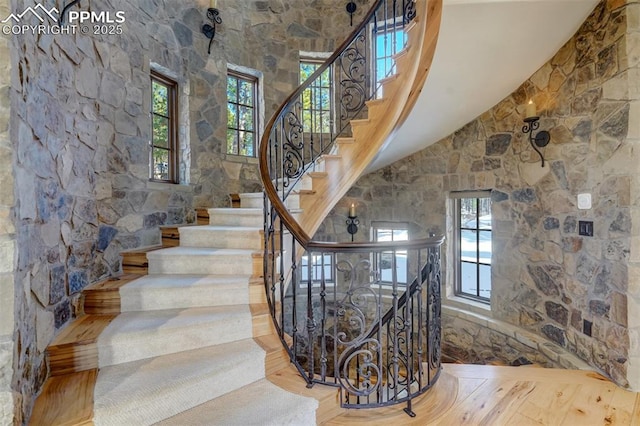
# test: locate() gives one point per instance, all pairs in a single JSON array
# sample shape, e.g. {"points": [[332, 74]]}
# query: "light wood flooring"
{"points": [[513, 396]]}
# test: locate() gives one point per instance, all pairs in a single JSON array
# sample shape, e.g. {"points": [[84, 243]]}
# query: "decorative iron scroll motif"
{"points": [[435, 310], [293, 164], [409, 11], [353, 77]]}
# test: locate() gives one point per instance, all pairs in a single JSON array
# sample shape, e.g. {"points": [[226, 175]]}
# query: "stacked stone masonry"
{"points": [[75, 115]]}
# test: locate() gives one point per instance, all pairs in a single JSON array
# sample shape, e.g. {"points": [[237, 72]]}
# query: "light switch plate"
{"points": [[584, 201]]}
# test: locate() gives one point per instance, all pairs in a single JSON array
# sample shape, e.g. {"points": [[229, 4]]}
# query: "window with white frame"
{"points": [[388, 261], [472, 244]]}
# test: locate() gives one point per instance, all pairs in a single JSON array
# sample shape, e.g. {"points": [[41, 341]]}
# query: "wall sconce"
{"points": [[351, 9], [352, 221], [532, 120], [213, 14]]}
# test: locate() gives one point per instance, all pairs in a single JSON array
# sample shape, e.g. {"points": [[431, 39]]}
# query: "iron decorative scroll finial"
{"points": [[540, 139], [209, 31]]}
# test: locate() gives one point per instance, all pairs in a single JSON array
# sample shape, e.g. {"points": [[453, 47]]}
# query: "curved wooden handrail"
{"points": [[290, 223]]}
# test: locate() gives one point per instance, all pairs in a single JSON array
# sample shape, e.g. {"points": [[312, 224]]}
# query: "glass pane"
{"points": [[324, 99], [485, 281], [385, 266], [468, 246], [246, 118], [468, 278], [325, 120], [401, 266], [324, 78], [400, 235], [232, 89], [232, 116], [160, 131], [485, 246], [247, 144], [160, 98], [160, 166], [384, 235], [232, 142], [246, 93]]}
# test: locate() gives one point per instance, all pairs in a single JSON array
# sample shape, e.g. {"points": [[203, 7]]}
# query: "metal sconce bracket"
{"points": [[352, 225], [540, 140], [209, 31], [351, 9]]}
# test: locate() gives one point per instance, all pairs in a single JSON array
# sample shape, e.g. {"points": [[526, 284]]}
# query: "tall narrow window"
{"points": [[241, 114], [386, 261], [163, 158], [473, 231], [316, 99], [389, 39]]}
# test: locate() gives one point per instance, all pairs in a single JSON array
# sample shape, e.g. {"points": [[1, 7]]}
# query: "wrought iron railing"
{"points": [[364, 317]]}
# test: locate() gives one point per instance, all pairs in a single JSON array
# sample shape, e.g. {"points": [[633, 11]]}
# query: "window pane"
{"points": [[247, 144], [400, 235], [485, 246], [246, 118], [232, 89], [246, 93], [232, 116], [160, 131], [385, 265], [468, 278], [384, 235], [232, 142], [160, 158], [485, 281], [160, 99]]}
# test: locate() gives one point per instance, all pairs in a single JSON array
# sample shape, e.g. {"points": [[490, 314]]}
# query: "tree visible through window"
{"points": [[241, 114], [164, 134], [316, 99], [473, 248]]}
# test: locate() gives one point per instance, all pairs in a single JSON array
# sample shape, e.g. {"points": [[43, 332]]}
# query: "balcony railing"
{"points": [[364, 317]]}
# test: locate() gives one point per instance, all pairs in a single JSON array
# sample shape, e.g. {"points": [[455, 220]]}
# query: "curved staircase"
{"points": [[194, 342]]}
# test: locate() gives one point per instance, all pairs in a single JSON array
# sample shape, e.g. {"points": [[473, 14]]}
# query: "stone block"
{"points": [[45, 328], [7, 297]]}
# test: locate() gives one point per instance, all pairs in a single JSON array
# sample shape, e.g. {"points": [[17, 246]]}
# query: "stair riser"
{"points": [[163, 341], [235, 239], [148, 299], [205, 265], [230, 218]]}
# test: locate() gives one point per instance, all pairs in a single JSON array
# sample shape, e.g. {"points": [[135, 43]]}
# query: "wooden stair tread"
{"points": [[66, 400]]}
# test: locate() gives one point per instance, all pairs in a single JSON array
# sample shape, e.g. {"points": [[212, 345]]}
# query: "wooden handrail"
{"points": [[290, 223]]}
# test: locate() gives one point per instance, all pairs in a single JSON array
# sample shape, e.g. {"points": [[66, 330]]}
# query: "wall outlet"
{"points": [[585, 227]]}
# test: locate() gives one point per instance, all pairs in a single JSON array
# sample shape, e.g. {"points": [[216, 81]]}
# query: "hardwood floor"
{"points": [[493, 396]]}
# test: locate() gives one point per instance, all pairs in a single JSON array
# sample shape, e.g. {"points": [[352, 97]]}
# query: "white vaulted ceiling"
{"points": [[485, 50]]}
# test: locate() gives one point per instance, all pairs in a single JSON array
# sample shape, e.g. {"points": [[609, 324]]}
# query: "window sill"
{"points": [[240, 159], [468, 305], [168, 185]]}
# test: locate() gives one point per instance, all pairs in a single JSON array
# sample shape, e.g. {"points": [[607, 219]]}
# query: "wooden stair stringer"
{"points": [[372, 133]]}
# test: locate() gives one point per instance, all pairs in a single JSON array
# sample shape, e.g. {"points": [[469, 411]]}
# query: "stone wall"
{"points": [[7, 234], [546, 278], [80, 129]]}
